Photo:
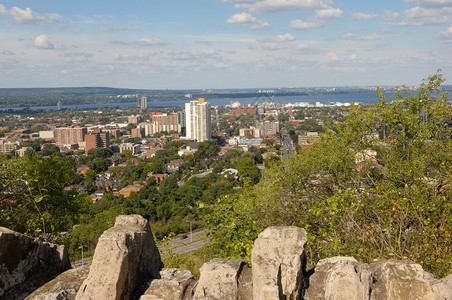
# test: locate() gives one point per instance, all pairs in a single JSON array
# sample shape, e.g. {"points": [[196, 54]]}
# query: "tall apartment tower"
{"points": [[144, 102], [70, 135], [97, 139], [197, 119]]}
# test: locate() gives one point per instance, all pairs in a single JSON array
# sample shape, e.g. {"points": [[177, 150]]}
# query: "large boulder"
{"points": [[224, 279], [339, 278], [26, 263], [64, 286], [278, 260], [173, 284], [395, 279], [442, 288], [125, 258]]}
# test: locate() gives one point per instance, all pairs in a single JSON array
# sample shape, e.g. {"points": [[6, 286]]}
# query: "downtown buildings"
{"points": [[197, 119]]}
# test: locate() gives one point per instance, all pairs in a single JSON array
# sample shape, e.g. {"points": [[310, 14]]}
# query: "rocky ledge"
{"points": [[127, 265]]}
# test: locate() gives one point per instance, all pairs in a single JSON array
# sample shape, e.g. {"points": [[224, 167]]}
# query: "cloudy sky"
{"points": [[184, 44]]}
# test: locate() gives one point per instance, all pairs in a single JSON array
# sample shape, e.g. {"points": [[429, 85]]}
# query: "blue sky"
{"points": [[190, 44]]}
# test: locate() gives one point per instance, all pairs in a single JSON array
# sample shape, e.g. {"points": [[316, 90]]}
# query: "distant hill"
{"points": [[23, 97]]}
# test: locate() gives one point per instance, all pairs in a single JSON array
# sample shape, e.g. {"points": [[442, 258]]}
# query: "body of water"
{"points": [[367, 97]]}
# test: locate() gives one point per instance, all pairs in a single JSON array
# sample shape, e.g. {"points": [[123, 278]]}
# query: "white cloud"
{"points": [[330, 57], [6, 52], [273, 46], [389, 15], [149, 42], [27, 16], [247, 19], [119, 28], [76, 54], [370, 37], [319, 20], [128, 57], [277, 42], [43, 42], [363, 16], [287, 37], [431, 3], [271, 6], [301, 25], [418, 16], [328, 13], [445, 35]]}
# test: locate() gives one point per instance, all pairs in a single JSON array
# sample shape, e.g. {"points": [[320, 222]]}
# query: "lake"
{"points": [[364, 97]]}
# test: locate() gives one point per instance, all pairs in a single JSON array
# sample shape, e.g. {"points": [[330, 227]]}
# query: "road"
{"points": [[286, 143], [180, 246], [177, 245]]}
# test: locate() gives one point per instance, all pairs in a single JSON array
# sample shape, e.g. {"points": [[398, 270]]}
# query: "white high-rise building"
{"points": [[144, 102], [197, 119]]}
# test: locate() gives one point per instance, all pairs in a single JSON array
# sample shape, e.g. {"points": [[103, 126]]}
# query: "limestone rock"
{"points": [[442, 288], [64, 286], [393, 279], [125, 257], [278, 259], [339, 278], [221, 279], [26, 263], [172, 284]]}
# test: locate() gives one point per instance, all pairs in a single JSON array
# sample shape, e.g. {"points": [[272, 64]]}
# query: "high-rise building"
{"points": [[267, 128], [59, 105], [97, 139], [197, 120], [166, 122], [144, 102], [70, 135], [134, 119]]}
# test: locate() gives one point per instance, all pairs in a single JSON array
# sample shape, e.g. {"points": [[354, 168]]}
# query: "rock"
{"points": [[26, 263], [64, 286], [442, 288], [393, 279], [221, 279], [278, 260], [172, 284], [125, 257], [339, 278]]}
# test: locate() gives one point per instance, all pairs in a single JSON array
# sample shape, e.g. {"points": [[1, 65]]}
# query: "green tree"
{"points": [[377, 188], [100, 152], [98, 164], [207, 149], [33, 197], [248, 169]]}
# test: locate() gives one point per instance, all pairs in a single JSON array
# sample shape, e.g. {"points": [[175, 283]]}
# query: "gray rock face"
{"points": [[339, 278], [64, 286], [442, 288], [278, 259], [393, 279], [26, 264], [126, 262], [125, 257], [222, 279], [172, 284]]}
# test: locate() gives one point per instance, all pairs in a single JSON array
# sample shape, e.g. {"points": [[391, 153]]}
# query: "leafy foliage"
{"points": [[33, 199], [379, 187]]}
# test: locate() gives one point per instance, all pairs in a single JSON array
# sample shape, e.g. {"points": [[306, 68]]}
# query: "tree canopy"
{"points": [[377, 187], [32, 195]]}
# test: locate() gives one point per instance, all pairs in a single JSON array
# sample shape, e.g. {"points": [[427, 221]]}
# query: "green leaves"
{"points": [[379, 187]]}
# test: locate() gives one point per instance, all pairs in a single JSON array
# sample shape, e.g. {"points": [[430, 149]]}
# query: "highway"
{"points": [[177, 245], [180, 246]]}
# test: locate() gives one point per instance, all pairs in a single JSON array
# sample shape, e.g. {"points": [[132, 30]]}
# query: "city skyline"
{"points": [[223, 43]]}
